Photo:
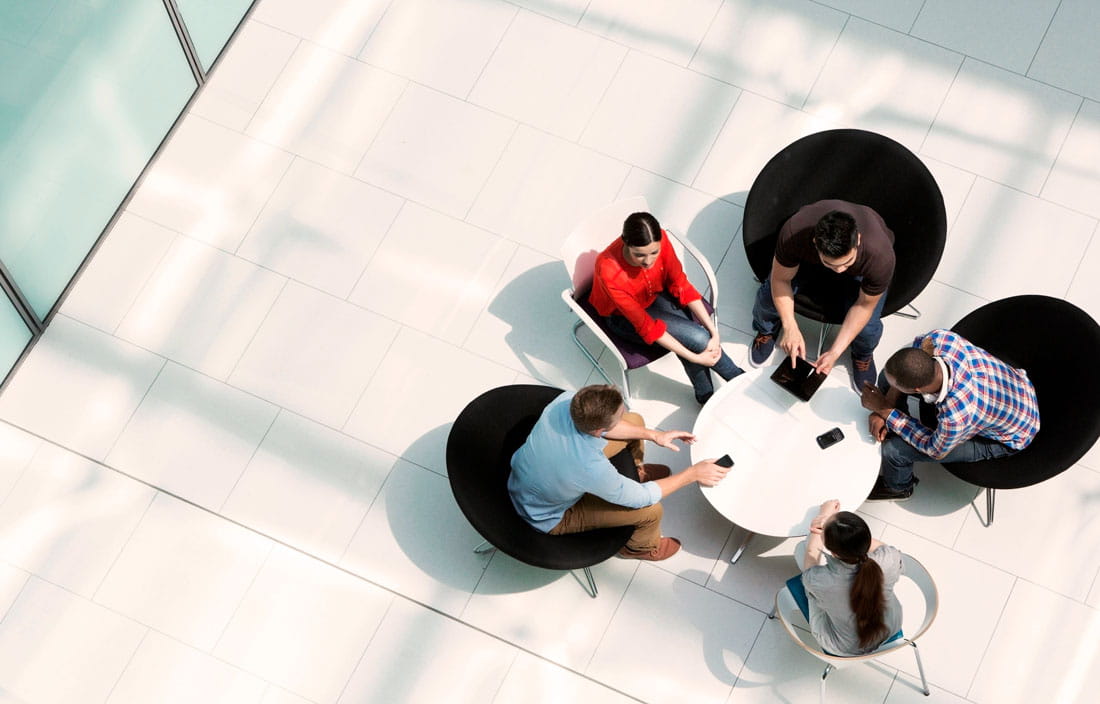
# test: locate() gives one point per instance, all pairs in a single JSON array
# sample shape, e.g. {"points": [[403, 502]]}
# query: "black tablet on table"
{"points": [[802, 380]]}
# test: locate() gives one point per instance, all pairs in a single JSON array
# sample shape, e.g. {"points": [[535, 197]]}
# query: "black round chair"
{"points": [[859, 167], [479, 452], [1066, 376]]}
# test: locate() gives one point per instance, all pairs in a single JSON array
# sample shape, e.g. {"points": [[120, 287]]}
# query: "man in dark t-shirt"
{"points": [[842, 255]]}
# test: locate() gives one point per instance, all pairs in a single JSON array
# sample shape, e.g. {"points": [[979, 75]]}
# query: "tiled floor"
{"points": [[221, 470]]}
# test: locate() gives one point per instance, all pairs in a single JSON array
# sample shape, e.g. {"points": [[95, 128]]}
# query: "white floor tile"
{"points": [[17, 447], [245, 74], [168, 672], [435, 566], [737, 287], [898, 14], [320, 227], [57, 647], [532, 333], [567, 11], [12, 581], [183, 572], [275, 695], [1009, 35], [192, 436], [123, 264], [436, 150], [303, 625], [757, 129], [309, 486], [906, 690], [778, 670], [209, 182], [664, 141], [668, 29], [547, 75], [972, 596], [700, 639], [940, 506], [996, 216], [1001, 125], [534, 681], [774, 49], [1068, 56], [453, 41], [955, 185], [1075, 179], [433, 273], [67, 519], [314, 354], [200, 307], [536, 193], [760, 571], [1084, 294], [1044, 649], [419, 656], [549, 612], [884, 81], [341, 25], [1065, 556], [79, 387], [394, 413], [326, 107]]}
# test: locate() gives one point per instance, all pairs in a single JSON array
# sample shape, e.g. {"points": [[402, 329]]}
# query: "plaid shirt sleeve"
{"points": [[953, 428]]}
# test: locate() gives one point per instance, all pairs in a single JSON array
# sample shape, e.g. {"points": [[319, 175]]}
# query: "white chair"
{"points": [[798, 629], [579, 253]]}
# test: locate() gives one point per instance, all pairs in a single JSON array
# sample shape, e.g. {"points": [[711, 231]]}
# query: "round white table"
{"points": [[780, 476]]}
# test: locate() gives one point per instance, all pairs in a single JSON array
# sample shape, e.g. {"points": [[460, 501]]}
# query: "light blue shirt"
{"points": [[558, 464]]}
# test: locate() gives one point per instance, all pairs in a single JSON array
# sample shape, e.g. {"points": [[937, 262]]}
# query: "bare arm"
{"points": [[790, 336], [854, 321], [665, 438], [706, 473], [815, 543]]}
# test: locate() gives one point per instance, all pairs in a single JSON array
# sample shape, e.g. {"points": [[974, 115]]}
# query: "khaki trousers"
{"points": [[592, 512]]}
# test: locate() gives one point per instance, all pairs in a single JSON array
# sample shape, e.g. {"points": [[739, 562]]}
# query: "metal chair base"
{"points": [[486, 547]]}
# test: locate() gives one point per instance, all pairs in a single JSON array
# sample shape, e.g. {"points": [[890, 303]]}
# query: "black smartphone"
{"points": [[830, 438], [724, 461]]}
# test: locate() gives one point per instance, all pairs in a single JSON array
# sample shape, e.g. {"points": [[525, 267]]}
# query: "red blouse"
{"points": [[620, 287]]}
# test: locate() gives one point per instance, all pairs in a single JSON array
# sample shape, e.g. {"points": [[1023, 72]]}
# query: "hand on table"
{"points": [[878, 427], [791, 342], [708, 473], [826, 512], [825, 362], [873, 399], [667, 438]]}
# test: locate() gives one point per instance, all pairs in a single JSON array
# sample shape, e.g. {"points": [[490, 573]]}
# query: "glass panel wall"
{"points": [[88, 90], [210, 24]]}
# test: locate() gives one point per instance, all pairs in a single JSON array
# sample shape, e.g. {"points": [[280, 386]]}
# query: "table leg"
{"points": [[741, 548]]}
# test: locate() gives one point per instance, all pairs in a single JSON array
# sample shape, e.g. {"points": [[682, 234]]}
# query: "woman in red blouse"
{"points": [[642, 292]]}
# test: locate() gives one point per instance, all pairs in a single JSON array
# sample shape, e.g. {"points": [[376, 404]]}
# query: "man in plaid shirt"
{"points": [[984, 409]]}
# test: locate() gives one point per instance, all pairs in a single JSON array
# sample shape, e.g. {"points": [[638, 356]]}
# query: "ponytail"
{"points": [[868, 603]]}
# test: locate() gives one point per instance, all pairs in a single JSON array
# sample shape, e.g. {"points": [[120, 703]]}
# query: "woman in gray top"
{"points": [[852, 607]]}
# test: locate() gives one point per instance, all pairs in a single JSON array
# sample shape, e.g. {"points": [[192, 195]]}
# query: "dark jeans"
{"points": [[688, 333], [898, 456], [765, 317]]}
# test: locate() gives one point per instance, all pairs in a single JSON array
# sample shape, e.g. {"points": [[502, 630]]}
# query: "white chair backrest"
{"points": [[590, 237], [915, 571]]}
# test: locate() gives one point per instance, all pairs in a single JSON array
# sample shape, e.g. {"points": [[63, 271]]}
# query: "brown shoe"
{"points": [[665, 549], [650, 472]]}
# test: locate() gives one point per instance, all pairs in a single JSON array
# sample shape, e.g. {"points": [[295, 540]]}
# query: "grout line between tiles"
{"points": [[129, 661], [122, 548], [821, 68], [1058, 154], [1039, 46]]}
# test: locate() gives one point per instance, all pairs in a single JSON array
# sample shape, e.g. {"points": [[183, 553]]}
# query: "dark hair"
{"points": [[848, 538], [911, 367], [594, 407], [835, 234], [641, 229]]}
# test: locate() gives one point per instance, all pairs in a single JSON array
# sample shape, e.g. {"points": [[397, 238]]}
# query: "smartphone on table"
{"points": [[830, 438]]}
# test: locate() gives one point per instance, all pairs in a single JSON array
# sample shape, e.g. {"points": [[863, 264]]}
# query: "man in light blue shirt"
{"points": [[563, 481]]}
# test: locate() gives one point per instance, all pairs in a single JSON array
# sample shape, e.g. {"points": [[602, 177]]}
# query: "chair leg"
{"points": [[821, 337], [828, 669], [485, 547], [741, 548], [990, 495], [771, 614], [595, 362], [920, 669], [592, 591], [906, 314]]}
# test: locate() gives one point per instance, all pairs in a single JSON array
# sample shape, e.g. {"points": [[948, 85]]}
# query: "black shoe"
{"points": [[881, 492], [863, 372], [761, 350]]}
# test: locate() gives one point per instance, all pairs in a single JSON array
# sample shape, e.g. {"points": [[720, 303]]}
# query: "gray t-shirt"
{"points": [[832, 621]]}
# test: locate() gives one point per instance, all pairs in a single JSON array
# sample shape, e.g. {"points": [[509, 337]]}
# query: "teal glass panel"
{"points": [[88, 90], [14, 335], [210, 22]]}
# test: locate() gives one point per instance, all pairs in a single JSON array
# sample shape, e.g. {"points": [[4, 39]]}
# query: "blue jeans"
{"points": [[688, 333], [765, 317], [898, 457]]}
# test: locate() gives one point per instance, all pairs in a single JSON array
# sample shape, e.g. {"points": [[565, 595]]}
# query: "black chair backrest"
{"points": [[479, 452], [1058, 344], [859, 167]]}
